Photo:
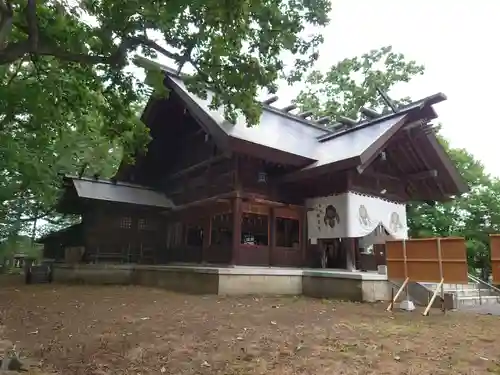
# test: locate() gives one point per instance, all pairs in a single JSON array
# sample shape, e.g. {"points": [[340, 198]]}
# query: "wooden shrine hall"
{"points": [[291, 192]]}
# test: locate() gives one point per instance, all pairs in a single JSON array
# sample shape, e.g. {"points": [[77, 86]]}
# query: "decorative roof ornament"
{"points": [[387, 100], [289, 108], [305, 114], [349, 122], [270, 100], [343, 122], [370, 113], [323, 120]]}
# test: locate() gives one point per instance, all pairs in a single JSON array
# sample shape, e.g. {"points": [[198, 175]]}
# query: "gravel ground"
{"points": [[134, 330]]}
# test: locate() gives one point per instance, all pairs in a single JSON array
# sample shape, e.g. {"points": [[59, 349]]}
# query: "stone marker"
{"points": [[11, 364]]}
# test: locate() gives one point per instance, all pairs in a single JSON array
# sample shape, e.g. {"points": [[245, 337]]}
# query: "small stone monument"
{"points": [[9, 360]]}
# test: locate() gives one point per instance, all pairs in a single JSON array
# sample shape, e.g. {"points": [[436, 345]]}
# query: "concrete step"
{"points": [[473, 293], [465, 292], [476, 301], [468, 295], [450, 287], [469, 292]]}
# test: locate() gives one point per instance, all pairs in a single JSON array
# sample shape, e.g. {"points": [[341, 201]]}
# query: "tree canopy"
{"points": [[474, 215], [353, 83], [350, 85], [69, 99], [224, 42], [43, 133]]}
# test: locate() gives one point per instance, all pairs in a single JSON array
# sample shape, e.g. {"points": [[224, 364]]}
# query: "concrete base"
{"points": [[345, 285], [338, 284], [407, 305]]}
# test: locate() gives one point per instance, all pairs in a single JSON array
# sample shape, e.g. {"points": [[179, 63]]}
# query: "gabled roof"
{"points": [[276, 130], [352, 144], [72, 230], [281, 135], [118, 192]]}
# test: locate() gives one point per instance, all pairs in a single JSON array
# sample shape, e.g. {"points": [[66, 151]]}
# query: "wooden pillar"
{"points": [[357, 253], [272, 235], [354, 255], [207, 234], [236, 230], [85, 231], [379, 252], [304, 241], [350, 253]]}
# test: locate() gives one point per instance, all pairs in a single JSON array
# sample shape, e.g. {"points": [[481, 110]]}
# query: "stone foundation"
{"points": [[183, 280], [257, 280], [98, 274], [351, 286]]}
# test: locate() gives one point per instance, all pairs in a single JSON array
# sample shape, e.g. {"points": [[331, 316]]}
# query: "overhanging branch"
{"points": [[13, 77], [37, 44], [38, 217], [31, 218], [14, 52], [43, 47], [32, 20], [6, 16]]}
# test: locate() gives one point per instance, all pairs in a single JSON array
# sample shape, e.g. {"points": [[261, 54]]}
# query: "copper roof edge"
{"points": [[146, 63], [110, 182], [414, 106]]}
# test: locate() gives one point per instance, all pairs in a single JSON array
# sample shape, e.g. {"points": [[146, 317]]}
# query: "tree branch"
{"points": [[32, 218], [14, 75], [38, 217], [143, 40], [36, 44], [5, 7], [6, 16], [15, 51], [4, 121], [32, 20]]}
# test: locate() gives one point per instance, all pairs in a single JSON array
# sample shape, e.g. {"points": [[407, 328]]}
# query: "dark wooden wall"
{"points": [[54, 246], [206, 222], [215, 175], [123, 233], [250, 182], [200, 181], [248, 177], [53, 249], [185, 163], [373, 184]]}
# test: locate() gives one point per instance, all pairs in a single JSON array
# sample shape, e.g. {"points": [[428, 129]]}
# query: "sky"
{"points": [[455, 42], [452, 39]]}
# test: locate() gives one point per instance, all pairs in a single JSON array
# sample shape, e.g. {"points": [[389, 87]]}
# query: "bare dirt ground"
{"points": [[134, 330]]}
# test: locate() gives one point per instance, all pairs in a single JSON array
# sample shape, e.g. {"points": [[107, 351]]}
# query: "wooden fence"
{"points": [[428, 260], [495, 257]]}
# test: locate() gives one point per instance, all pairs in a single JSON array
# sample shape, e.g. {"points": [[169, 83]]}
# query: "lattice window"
{"points": [[175, 235], [147, 224], [254, 229], [126, 222], [143, 224], [287, 232]]}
